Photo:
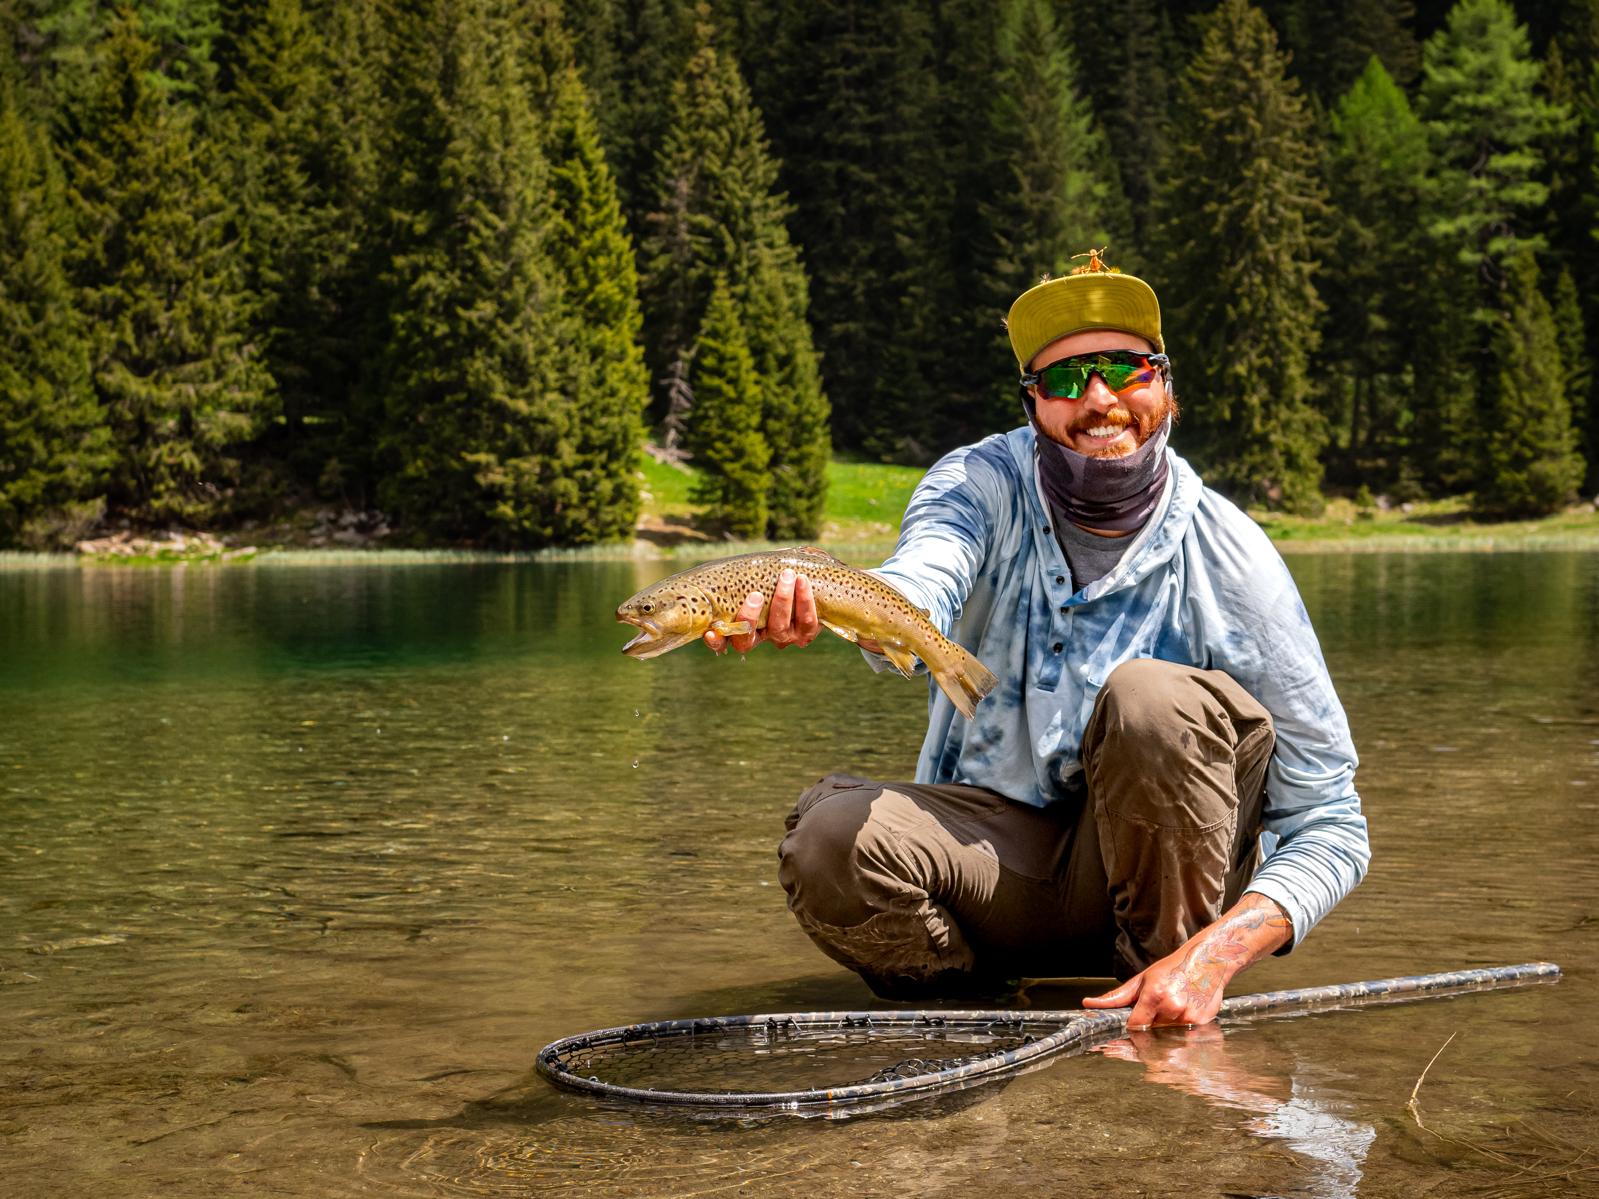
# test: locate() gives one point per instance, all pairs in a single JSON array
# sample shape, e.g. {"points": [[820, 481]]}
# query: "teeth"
{"points": [[1105, 431]]}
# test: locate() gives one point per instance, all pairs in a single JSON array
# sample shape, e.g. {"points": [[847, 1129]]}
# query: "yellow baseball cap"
{"points": [[1091, 297]]}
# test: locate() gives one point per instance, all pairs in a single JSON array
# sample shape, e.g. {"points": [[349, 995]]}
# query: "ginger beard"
{"points": [[1140, 420]]}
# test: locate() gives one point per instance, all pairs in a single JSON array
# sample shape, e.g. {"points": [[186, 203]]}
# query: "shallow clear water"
{"points": [[302, 864]]}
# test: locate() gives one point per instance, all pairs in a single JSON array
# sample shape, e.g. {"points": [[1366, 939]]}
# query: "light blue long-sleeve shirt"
{"points": [[1200, 584]]}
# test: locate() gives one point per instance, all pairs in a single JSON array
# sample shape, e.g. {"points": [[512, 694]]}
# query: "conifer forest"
{"points": [[459, 260]]}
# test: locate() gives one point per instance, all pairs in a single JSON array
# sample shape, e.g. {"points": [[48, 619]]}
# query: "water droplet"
{"points": [[505, 736], [635, 763]]}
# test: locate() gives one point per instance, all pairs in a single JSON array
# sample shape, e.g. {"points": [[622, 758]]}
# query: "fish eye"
{"points": [[647, 606]]}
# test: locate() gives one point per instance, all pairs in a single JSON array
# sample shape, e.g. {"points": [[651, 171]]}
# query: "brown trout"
{"points": [[850, 602]]}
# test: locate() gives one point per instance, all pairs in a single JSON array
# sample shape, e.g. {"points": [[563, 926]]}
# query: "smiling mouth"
{"points": [[1103, 432]]}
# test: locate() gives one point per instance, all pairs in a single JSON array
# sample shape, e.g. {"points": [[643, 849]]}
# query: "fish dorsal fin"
{"points": [[810, 551]]}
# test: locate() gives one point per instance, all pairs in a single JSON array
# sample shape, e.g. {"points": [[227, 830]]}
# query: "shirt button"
{"points": [[1064, 609], [1060, 578], [1059, 647]]}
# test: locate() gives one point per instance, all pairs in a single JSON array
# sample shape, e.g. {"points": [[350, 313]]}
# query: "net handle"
{"points": [[1079, 1030], [1395, 990]]}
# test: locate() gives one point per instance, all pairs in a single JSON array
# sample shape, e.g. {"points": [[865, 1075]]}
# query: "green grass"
{"points": [[1429, 524], [869, 494], [865, 501], [666, 488]]}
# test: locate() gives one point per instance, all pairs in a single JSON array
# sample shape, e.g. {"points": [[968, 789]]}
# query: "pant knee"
{"points": [[1161, 745], [819, 858], [857, 891], [1142, 703]]}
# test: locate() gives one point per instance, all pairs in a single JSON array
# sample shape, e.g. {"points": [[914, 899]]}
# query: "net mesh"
{"points": [[784, 1055]]}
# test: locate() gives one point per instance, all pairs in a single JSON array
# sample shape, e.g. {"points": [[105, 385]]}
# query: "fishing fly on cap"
{"points": [[1093, 296]]}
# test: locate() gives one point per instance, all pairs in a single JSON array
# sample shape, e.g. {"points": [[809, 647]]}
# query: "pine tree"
{"points": [[293, 230], [598, 29], [1236, 219], [1049, 196], [54, 448], [1485, 123], [56, 45], [1377, 161], [479, 443], [592, 259], [67, 41], [795, 412], [546, 50], [1133, 105], [716, 199], [182, 33], [181, 385], [724, 431], [1572, 335], [1571, 80], [1531, 464], [1331, 43], [720, 215], [1480, 102], [347, 171], [858, 108], [630, 53]]}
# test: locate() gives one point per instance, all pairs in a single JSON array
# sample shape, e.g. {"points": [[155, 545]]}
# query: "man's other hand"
{"points": [[1186, 987], [1168, 993]]}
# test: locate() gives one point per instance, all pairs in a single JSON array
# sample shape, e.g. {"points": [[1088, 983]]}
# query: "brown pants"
{"points": [[945, 888]]}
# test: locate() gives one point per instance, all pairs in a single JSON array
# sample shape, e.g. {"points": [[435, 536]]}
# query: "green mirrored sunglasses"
{"points": [[1122, 371]]}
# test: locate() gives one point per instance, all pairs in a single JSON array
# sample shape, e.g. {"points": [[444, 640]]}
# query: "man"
{"points": [[1162, 785]]}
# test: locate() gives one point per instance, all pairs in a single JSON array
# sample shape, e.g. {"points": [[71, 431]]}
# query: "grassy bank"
{"points": [[1428, 525], [864, 504], [865, 500]]}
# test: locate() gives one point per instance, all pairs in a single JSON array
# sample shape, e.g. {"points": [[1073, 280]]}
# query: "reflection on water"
{"points": [[303, 864], [1201, 1062]]}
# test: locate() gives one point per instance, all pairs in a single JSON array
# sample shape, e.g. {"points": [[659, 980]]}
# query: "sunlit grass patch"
{"points": [[666, 487], [1427, 524], [865, 501], [869, 492]]}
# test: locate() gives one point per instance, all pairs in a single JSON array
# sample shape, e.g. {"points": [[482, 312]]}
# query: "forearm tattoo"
{"points": [[1254, 928]]}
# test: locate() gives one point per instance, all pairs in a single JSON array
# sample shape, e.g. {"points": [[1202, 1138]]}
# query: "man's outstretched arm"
{"points": [[1186, 987]]}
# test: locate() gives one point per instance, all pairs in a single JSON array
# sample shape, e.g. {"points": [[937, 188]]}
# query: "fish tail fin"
{"points": [[962, 677]]}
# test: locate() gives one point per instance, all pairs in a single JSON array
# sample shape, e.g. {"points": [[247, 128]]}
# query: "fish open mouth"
{"points": [[648, 634], [652, 641]]}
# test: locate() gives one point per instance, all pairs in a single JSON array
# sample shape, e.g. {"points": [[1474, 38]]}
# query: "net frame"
{"points": [[1078, 1030]]}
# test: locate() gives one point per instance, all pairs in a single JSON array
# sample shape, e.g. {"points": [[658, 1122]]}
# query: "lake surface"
{"points": [[302, 864]]}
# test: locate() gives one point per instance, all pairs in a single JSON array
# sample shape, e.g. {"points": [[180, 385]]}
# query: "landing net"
{"points": [[818, 1060]]}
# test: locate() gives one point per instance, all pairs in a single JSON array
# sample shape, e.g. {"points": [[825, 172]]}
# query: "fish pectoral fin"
{"points": [[846, 633], [904, 661], [732, 628]]}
